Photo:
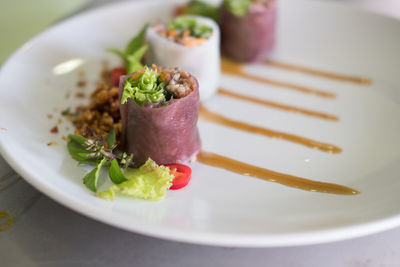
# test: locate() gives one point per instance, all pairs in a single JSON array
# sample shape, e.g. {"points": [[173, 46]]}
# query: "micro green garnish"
{"points": [[196, 29], [238, 7], [134, 51], [88, 151], [144, 87], [197, 7]]}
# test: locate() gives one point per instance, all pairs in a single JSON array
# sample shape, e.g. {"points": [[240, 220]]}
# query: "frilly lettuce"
{"points": [[144, 87], [148, 182]]}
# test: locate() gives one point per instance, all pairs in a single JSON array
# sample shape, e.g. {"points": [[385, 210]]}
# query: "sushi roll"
{"points": [[247, 29], [159, 110], [191, 43]]}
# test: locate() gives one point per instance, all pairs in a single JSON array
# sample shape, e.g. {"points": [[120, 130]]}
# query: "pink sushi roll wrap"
{"points": [[166, 134], [250, 37]]}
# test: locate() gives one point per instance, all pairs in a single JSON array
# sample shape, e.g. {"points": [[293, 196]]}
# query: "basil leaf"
{"points": [[90, 179], [85, 155], [118, 53], [88, 162], [77, 151], [77, 138], [134, 66], [111, 138], [137, 41], [133, 61], [115, 173]]}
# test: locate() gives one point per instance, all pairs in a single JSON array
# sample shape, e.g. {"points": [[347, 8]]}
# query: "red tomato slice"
{"points": [[182, 174], [115, 74]]}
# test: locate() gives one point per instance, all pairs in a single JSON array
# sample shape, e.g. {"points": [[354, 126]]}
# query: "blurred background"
{"points": [[20, 20]]}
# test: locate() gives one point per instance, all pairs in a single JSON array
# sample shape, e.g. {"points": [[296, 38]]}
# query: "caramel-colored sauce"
{"points": [[272, 176], [214, 117], [234, 68], [6, 221], [320, 73], [278, 105]]}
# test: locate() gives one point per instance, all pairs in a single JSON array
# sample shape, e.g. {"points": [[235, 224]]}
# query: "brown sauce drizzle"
{"points": [[272, 176], [214, 117], [278, 105], [6, 221], [320, 73], [231, 67]]}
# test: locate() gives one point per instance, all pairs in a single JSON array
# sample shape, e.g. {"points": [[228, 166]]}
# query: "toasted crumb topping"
{"points": [[102, 114]]}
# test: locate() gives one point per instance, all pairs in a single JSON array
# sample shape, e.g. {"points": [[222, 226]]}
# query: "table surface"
{"points": [[47, 234]]}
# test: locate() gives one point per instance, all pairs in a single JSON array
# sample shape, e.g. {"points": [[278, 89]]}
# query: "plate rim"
{"points": [[195, 237]]}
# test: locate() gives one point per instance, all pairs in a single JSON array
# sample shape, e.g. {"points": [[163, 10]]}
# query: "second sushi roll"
{"points": [[191, 43], [248, 29]]}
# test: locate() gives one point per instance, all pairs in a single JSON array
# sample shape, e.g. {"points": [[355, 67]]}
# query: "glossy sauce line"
{"points": [[230, 67], [6, 221], [272, 176], [278, 105], [214, 117], [320, 73]]}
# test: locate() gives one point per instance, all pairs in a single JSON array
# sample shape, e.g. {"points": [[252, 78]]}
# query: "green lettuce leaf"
{"points": [[146, 87], [148, 182]]}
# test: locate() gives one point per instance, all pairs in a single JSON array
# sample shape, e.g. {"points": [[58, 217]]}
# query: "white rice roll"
{"points": [[203, 60]]}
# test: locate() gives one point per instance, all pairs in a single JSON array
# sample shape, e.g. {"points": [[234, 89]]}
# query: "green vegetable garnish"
{"points": [[145, 87], [90, 179], [88, 151], [196, 29], [134, 51], [115, 173], [238, 7], [149, 182], [111, 138], [197, 7]]}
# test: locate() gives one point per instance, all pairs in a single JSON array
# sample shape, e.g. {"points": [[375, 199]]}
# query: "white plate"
{"points": [[220, 207]]}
